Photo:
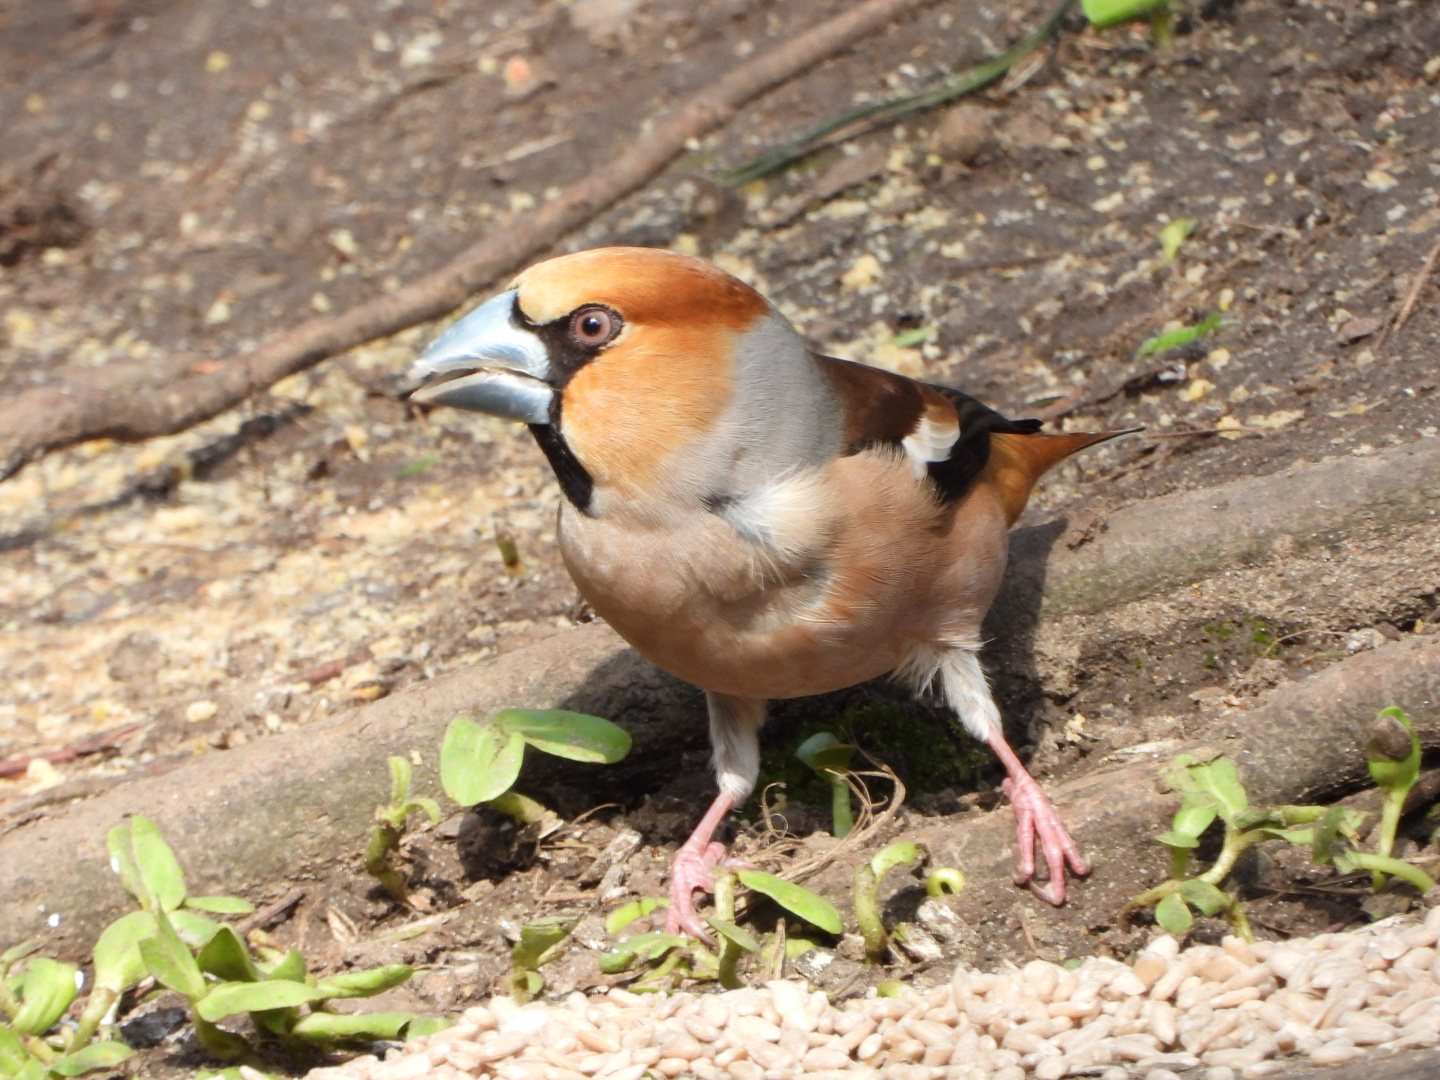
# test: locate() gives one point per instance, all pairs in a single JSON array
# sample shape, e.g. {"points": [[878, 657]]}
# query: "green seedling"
{"points": [[1212, 790], [416, 467], [911, 338], [830, 759], [811, 907], [389, 829], [213, 969], [480, 762], [540, 942], [1392, 752], [626, 914], [734, 940], [1103, 14], [676, 956], [1173, 235], [942, 880], [866, 893], [1175, 338]]}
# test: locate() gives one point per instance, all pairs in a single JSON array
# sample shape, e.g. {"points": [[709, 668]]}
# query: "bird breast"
{"points": [[811, 589]]}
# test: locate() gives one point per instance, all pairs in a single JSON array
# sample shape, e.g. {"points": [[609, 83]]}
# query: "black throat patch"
{"points": [[575, 482]]}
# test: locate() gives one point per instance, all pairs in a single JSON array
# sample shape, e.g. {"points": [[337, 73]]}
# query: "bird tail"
{"points": [[1017, 461]]}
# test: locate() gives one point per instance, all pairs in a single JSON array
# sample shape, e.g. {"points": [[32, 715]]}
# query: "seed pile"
{"points": [[1236, 1010]]}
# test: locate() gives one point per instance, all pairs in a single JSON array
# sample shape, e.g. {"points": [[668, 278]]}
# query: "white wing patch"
{"points": [[930, 442]]}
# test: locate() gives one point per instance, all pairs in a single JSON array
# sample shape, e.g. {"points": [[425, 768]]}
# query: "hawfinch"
{"points": [[753, 518]]}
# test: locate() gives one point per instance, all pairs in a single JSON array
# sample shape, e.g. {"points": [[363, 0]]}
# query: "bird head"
{"points": [[636, 368]]}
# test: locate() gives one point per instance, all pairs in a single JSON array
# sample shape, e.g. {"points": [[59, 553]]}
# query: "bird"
{"points": [[757, 519]]}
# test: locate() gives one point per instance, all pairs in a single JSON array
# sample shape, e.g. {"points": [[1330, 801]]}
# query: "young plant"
{"points": [[1104, 14], [390, 829], [540, 942], [1213, 790], [683, 956], [34, 1002], [830, 759], [480, 762], [209, 964], [1210, 790], [1392, 752], [866, 892]]}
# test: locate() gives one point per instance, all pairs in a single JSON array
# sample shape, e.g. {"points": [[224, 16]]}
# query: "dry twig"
{"points": [[1413, 295]]}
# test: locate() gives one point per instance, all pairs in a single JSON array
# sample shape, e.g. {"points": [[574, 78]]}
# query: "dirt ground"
{"points": [[189, 179]]}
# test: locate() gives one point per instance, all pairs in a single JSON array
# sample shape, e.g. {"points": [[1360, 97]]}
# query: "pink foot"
{"points": [[692, 869], [1036, 817]]}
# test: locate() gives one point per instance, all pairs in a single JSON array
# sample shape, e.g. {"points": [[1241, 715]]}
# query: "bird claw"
{"points": [[693, 868], [1037, 818]]}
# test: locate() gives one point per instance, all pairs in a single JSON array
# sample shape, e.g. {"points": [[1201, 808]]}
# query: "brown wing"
{"points": [[950, 435]]}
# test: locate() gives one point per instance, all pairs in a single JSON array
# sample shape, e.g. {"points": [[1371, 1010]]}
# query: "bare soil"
{"points": [[188, 179]]}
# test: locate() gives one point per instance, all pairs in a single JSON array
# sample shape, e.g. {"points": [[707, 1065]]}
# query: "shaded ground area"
{"points": [[190, 179]]}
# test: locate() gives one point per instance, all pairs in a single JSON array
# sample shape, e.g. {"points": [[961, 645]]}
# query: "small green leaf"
{"points": [[353, 984], [230, 998], [169, 960], [1196, 812], [220, 905], [291, 967], [626, 914], [1173, 915], [194, 929], [539, 941], [1204, 897], [46, 990], [905, 853], [478, 762], [567, 734], [738, 934], [118, 964], [12, 1051], [1173, 235], [324, 1027], [910, 338], [1104, 14], [1174, 339], [944, 879], [399, 779], [1323, 847], [100, 1055], [1172, 838], [18, 952], [158, 866], [226, 957], [802, 902], [1222, 780], [807, 750], [430, 808], [122, 863], [416, 467], [617, 960], [891, 989], [426, 1025], [649, 946]]}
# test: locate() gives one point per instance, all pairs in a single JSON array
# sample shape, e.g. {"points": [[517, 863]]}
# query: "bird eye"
{"points": [[593, 326]]}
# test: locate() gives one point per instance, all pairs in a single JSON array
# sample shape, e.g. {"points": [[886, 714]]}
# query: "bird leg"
{"points": [[1037, 818], [693, 869]]}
